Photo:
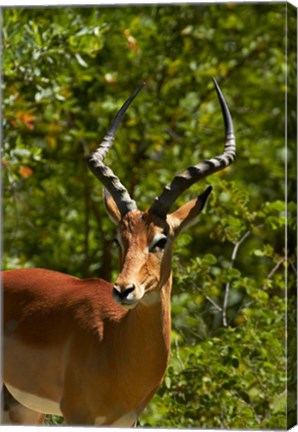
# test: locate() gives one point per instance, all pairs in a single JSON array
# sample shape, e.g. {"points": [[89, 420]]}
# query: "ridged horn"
{"points": [[107, 177], [194, 173]]}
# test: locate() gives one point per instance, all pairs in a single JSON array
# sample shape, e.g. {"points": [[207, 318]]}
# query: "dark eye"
{"points": [[160, 244]]}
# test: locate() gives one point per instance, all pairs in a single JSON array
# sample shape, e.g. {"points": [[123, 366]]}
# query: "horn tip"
{"points": [[216, 85]]}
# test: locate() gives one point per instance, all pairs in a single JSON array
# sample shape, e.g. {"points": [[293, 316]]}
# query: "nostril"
{"points": [[117, 292], [128, 290], [124, 293]]}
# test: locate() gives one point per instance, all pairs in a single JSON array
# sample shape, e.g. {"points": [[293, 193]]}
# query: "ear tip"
{"points": [[204, 196], [206, 193]]}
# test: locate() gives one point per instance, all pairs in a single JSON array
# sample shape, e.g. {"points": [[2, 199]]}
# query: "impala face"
{"points": [[145, 248], [145, 244]]}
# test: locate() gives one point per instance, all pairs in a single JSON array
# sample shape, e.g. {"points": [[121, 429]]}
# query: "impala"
{"points": [[90, 351]]}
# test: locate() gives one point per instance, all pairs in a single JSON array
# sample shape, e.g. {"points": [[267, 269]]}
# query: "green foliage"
{"points": [[65, 73], [227, 374], [231, 380]]}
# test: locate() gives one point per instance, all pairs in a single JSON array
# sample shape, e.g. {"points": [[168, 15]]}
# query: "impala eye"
{"points": [[160, 244]]}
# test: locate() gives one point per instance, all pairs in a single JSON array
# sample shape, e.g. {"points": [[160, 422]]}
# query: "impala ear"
{"points": [[188, 214], [111, 207]]}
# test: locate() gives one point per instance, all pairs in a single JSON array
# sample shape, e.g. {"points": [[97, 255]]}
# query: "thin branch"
{"points": [[274, 270], [228, 285], [217, 307], [225, 305], [235, 251], [213, 302]]}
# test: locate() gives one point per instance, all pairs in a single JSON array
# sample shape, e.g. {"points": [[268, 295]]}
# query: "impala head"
{"points": [[145, 239]]}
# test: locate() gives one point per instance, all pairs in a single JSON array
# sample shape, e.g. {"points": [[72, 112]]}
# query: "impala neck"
{"points": [[144, 340], [150, 321]]}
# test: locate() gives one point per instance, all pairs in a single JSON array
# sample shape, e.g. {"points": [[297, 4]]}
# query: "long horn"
{"points": [[95, 162], [183, 181]]}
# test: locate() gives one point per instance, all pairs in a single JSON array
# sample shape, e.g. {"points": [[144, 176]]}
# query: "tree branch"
{"points": [[217, 307], [228, 285], [275, 268]]}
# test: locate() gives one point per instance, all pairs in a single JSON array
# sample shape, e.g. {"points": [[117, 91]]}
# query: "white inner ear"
{"points": [[119, 239], [186, 224], [113, 219], [111, 207]]}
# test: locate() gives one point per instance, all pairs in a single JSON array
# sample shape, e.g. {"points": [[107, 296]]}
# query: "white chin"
{"points": [[127, 304]]}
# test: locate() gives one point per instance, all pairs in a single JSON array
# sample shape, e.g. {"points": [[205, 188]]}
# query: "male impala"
{"points": [[94, 352]]}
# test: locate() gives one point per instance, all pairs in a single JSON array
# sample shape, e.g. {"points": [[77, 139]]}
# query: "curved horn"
{"points": [[95, 162], [194, 173]]}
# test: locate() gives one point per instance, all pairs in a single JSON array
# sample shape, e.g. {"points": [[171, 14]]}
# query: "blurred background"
{"points": [[66, 71]]}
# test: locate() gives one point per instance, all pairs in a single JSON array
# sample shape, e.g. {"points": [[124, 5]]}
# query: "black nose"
{"points": [[122, 294]]}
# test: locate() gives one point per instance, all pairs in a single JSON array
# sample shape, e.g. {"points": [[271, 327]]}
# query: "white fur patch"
{"points": [[34, 402], [151, 298]]}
